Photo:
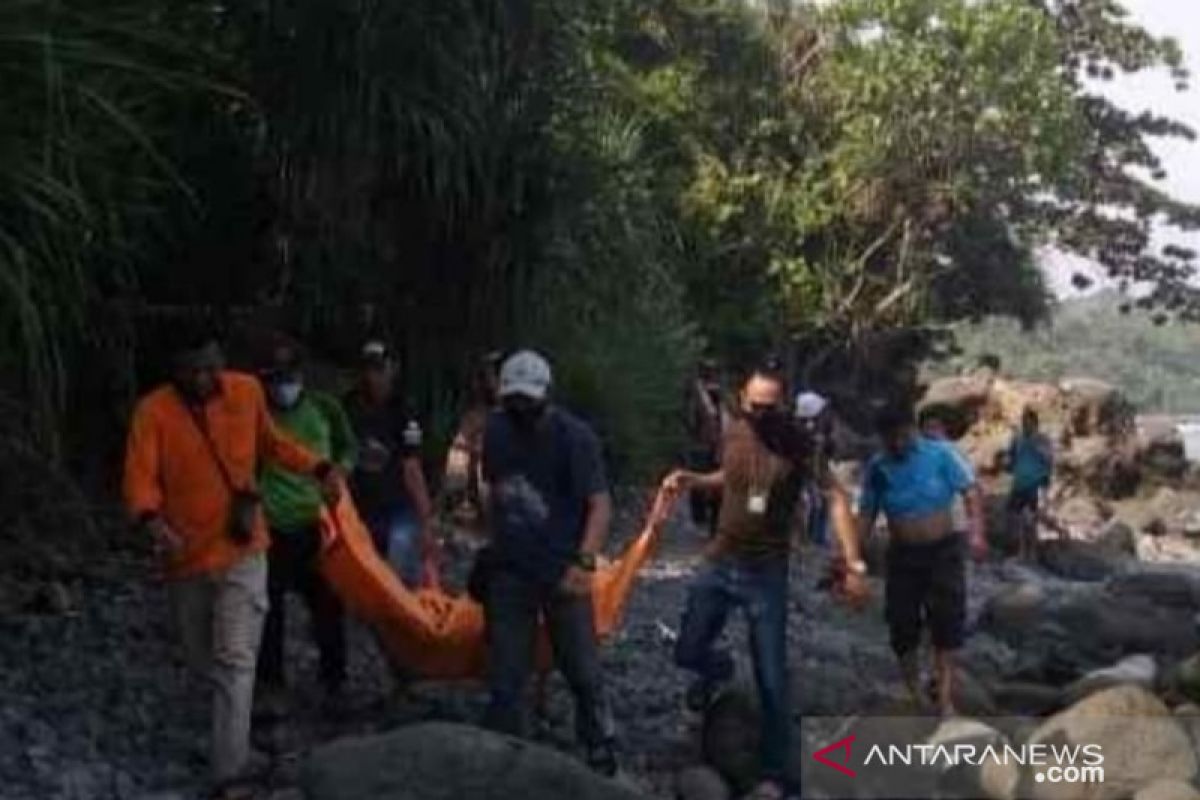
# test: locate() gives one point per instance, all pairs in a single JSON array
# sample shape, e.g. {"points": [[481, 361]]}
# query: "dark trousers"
{"points": [[293, 567], [760, 591], [514, 604]]}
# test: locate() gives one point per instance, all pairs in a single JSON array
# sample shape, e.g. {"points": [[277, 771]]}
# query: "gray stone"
{"points": [[701, 783], [1176, 588], [441, 761], [1138, 670], [1139, 738], [730, 737], [1017, 697], [1168, 790]]}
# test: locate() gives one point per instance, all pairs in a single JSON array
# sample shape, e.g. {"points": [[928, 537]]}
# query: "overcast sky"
{"points": [[1155, 91]]}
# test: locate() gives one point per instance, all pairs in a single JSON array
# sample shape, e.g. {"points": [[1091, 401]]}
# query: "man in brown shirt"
{"points": [[764, 463]]}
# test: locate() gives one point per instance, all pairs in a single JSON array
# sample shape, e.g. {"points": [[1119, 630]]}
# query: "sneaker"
{"points": [[602, 759]]}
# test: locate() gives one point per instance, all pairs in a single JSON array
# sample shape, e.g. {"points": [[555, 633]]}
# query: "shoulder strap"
{"points": [[202, 427]]}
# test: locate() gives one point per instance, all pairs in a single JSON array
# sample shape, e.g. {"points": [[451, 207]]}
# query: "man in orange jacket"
{"points": [[194, 448]]}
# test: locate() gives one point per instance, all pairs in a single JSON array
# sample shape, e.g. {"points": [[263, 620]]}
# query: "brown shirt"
{"points": [[759, 500]]}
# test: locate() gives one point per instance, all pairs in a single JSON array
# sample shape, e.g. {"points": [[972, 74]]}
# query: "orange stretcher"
{"points": [[438, 636]]}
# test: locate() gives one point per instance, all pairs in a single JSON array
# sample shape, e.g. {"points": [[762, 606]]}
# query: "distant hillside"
{"points": [[1158, 366]]}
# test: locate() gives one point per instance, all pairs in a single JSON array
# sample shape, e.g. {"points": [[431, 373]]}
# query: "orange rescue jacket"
{"points": [[169, 469]]}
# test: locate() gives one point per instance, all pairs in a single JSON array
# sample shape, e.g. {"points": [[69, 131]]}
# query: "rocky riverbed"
{"points": [[94, 702]]}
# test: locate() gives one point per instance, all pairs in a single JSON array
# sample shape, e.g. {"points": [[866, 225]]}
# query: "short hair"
{"points": [[931, 414], [1031, 413], [771, 371], [895, 416], [185, 336]]}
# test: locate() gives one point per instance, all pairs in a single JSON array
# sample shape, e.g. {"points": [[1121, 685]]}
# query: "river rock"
{"points": [[1173, 587], [1138, 670], [1187, 678], [1036, 699], [1078, 560], [1140, 740], [1013, 607], [1118, 539], [993, 779], [701, 783], [440, 761], [730, 737], [1168, 790]]}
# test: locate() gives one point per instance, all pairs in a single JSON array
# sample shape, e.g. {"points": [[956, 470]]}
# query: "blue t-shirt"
{"points": [[540, 482], [925, 480], [1030, 462]]}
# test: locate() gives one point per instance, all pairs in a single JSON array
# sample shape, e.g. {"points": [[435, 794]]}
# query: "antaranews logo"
{"points": [[893, 767]]}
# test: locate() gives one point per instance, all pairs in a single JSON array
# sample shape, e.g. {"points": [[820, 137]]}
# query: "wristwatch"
{"points": [[586, 562], [857, 567]]}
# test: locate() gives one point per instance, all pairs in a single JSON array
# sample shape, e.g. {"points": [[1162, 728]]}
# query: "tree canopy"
{"points": [[625, 183]]}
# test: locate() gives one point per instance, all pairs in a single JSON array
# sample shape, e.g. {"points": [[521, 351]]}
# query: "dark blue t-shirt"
{"points": [[540, 482]]}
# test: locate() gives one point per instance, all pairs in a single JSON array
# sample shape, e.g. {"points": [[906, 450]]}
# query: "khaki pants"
{"points": [[220, 620]]}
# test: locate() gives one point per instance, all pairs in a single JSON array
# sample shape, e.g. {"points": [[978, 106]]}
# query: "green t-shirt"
{"points": [[317, 421]]}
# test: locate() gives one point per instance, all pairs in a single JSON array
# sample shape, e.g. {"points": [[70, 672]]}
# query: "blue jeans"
{"points": [[396, 536], [760, 591], [818, 518]]}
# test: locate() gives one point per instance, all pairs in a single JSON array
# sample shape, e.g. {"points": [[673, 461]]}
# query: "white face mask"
{"points": [[286, 394]]}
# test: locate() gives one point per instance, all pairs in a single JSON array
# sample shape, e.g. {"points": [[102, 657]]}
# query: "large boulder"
{"points": [[442, 761], [1168, 586], [1168, 790], [959, 400], [1141, 742], [994, 779], [701, 783], [1096, 408], [730, 737], [1137, 670], [1186, 678], [1078, 560]]}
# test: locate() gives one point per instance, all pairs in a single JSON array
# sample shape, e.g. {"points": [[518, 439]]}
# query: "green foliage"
{"points": [[1154, 364]]}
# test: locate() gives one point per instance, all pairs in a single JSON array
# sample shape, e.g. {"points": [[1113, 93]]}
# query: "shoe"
{"points": [[702, 693], [602, 759]]}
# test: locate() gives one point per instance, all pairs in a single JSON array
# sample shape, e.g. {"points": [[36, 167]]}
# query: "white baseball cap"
{"points": [[525, 373], [810, 405]]}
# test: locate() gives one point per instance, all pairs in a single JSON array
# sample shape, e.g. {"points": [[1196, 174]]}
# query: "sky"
{"points": [[1155, 91]]}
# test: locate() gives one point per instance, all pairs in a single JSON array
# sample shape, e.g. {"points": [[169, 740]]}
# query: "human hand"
{"points": [[979, 546], [576, 582], [331, 485], [678, 481], [854, 590], [167, 543]]}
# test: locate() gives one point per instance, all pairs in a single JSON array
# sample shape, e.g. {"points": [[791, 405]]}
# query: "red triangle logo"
{"points": [[844, 744]]}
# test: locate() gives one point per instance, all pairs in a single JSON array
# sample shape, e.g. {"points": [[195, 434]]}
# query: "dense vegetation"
{"points": [[626, 183], [1154, 364]]}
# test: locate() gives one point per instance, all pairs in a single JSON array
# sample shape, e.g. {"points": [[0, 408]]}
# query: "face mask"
{"points": [[524, 415], [287, 393]]}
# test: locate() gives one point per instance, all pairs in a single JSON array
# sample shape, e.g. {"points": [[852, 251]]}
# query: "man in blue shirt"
{"points": [[1031, 461], [914, 483], [549, 510]]}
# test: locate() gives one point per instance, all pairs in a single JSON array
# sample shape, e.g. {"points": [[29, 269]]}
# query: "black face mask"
{"points": [[525, 416], [775, 430]]}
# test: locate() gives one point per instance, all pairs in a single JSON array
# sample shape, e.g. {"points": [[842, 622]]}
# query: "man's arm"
{"points": [[141, 485], [418, 490], [344, 442], [681, 480], [596, 525], [973, 504]]}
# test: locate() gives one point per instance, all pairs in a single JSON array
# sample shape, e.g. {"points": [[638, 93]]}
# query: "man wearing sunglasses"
{"points": [[765, 461]]}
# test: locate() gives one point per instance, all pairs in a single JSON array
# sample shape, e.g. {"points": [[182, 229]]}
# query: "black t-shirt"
{"points": [[388, 434], [540, 482]]}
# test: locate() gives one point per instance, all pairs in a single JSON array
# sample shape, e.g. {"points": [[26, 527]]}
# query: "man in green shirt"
{"points": [[293, 504]]}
